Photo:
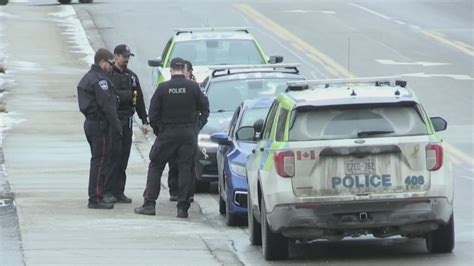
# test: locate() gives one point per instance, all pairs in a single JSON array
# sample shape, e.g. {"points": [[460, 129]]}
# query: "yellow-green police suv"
{"points": [[344, 158]]}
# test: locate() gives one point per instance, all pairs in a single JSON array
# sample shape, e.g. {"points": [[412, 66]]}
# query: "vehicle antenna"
{"points": [[348, 58]]}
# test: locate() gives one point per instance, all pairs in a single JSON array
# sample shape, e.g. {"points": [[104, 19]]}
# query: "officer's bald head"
{"points": [[103, 54]]}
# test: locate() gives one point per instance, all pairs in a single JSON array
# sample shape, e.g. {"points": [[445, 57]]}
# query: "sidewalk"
{"points": [[47, 161]]}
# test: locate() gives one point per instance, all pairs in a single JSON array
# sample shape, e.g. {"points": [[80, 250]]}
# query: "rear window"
{"points": [[356, 122], [227, 95], [218, 52]]}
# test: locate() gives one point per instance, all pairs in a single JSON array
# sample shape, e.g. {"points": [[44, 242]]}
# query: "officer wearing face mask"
{"points": [[128, 90]]}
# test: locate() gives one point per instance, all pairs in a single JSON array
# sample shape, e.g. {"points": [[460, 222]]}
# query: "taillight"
{"points": [[285, 163], [434, 157]]}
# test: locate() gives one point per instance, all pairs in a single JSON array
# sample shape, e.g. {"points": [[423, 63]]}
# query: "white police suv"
{"points": [[339, 158]]}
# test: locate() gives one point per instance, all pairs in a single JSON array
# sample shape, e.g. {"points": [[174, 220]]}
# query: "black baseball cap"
{"points": [[177, 63], [123, 49]]}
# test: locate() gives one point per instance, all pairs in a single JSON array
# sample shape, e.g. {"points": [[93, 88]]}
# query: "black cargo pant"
{"points": [[173, 176], [98, 135], [177, 141], [120, 153]]}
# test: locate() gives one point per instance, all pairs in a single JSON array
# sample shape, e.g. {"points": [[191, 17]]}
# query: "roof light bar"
{"points": [[216, 29], [390, 80], [229, 68]]}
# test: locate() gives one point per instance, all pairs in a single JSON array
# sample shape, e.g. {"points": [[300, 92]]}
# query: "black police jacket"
{"points": [[178, 101], [96, 98], [126, 83]]}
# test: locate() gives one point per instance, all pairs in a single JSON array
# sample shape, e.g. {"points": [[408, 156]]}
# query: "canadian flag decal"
{"points": [[305, 155]]}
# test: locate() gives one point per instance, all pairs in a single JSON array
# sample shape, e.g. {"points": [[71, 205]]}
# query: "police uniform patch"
{"points": [[104, 85]]}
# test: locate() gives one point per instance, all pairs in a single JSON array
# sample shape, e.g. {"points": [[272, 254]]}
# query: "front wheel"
{"points": [[3, 2], [85, 1], [442, 239], [64, 1]]}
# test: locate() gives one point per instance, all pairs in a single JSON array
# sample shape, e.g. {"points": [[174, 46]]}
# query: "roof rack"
{"points": [[215, 29], [291, 67], [392, 81]]}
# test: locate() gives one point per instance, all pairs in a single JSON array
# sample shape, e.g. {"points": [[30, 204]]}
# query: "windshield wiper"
{"points": [[373, 132]]}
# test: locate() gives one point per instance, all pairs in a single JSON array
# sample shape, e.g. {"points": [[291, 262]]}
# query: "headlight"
{"points": [[204, 141], [238, 169]]}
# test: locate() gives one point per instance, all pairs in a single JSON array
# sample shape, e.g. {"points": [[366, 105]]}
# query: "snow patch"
{"points": [[67, 18]]}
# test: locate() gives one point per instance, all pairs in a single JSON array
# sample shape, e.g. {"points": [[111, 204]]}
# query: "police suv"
{"points": [[339, 158]]}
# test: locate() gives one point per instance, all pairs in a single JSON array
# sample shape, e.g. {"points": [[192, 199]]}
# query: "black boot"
{"points": [[100, 205], [146, 209], [109, 198], [182, 213], [123, 199]]}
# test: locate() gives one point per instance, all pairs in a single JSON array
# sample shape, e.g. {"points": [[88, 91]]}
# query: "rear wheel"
{"points": [[274, 245], [254, 227], [442, 239], [3, 2], [85, 1], [64, 1]]}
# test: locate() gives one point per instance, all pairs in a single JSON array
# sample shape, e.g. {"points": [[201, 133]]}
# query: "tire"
{"points": [[64, 1], [201, 186], [231, 219], [222, 207], [255, 230], [274, 245], [442, 239], [3, 2], [85, 1]]}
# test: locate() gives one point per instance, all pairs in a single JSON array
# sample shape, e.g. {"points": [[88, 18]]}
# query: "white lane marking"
{"points": [[328, 12], [371, 11], [391, 62], [415, 27], [400, 22], [467, 177], [424, 75]]}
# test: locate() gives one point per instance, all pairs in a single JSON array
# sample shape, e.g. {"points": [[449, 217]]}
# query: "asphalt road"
{"points": [[430, 43]]}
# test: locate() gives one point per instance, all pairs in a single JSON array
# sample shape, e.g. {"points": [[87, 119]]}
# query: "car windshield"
{"points": [[218, 52], [356, 122], [251, 115], [225, 96]]}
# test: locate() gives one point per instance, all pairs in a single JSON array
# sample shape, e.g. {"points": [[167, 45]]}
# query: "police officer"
{"points": [[175, 109], [173, 166], [99, 105], [127, 88]]}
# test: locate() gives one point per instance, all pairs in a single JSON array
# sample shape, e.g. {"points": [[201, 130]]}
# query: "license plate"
{"points": [[354, 167]]}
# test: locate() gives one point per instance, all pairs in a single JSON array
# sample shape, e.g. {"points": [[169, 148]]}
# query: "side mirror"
{"points": [[258, 127], [245, 133], [439, 123], [221, 138], [155, 62], [275, 59]]}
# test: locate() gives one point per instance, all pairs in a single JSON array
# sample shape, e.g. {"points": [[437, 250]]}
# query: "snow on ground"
{"points": [[67, 18]]}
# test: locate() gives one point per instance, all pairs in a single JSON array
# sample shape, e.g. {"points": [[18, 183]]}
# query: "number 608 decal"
{"points": [[414, 180]]}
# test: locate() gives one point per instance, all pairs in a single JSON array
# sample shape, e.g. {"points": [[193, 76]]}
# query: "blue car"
{"points": [[234, 148]]}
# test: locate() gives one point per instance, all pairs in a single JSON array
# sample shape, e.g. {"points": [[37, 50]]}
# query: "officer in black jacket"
{"points": [[127, 88], [99, 105], [176, 107]]}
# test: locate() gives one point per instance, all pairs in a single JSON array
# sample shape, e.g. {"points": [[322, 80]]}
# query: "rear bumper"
{"points": [[381, 218]]}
